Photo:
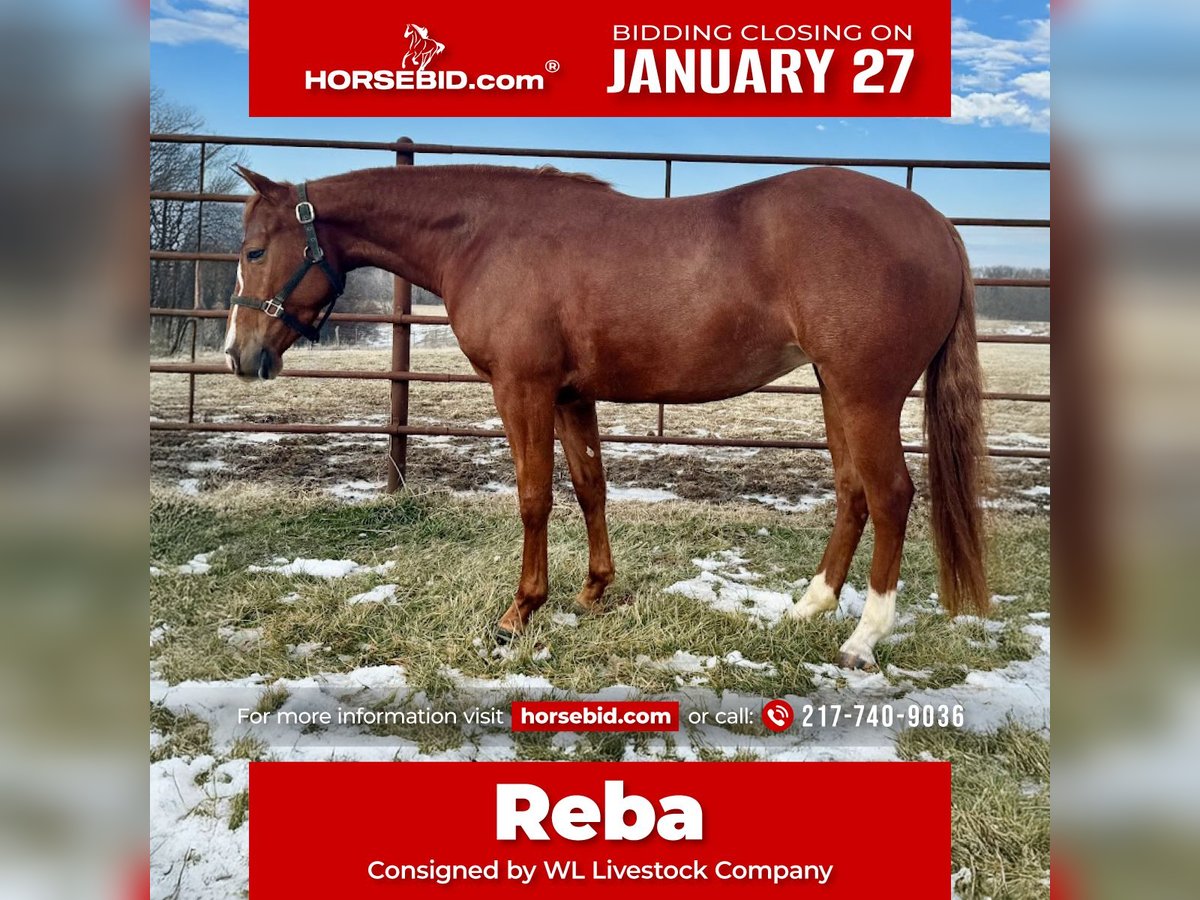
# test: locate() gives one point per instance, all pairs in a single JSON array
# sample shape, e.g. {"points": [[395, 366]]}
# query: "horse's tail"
{"points": [[955, 431]]}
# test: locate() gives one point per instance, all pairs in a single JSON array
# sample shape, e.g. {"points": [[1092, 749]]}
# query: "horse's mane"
{"points": [[576, 176]]}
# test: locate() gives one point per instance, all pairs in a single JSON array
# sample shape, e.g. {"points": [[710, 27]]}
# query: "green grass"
{"points": [[456, 565], [1000, 812]]}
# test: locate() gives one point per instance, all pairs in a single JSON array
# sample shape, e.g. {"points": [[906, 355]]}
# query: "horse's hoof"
{"points": [[848, 660], [504, 637]]}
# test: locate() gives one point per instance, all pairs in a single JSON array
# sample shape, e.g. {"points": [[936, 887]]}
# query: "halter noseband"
{"points": [[313, 256]]}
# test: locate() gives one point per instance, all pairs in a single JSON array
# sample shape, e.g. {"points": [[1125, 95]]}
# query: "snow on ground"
{"points": [[353, 491], [207, 465], [189, 487], [384, 593], [321, 568], [805, 503], [194, 802], [194, 852], [721, 584], [615, 492], [640, 495], [197, 565]]}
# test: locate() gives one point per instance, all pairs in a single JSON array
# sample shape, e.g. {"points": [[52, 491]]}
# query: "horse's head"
{"points": [[273, 256], [410, 30]]}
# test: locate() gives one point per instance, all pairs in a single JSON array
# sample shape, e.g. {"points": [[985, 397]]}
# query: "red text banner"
{"points": [[586, 829], [382, 58]]}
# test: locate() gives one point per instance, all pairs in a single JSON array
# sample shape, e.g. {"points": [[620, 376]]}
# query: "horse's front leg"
{"points": [[528, 414]]}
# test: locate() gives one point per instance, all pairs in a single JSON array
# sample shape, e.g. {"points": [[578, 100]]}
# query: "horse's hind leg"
{"points": [[873, 438], [528, 413], [823, 590], [580, 436]]}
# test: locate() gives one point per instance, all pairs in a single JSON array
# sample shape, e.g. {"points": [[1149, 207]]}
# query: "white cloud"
{"points": [[820, 128], [1004, 108], [987, 63], [191, 21], [1001, 81], [1034, 84]]}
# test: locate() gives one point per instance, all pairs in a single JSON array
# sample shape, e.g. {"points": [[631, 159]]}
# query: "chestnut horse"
{"points": [[562, 292]]}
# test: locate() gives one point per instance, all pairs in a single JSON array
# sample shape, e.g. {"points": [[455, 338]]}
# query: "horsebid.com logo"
{"points": [[413, 74]]}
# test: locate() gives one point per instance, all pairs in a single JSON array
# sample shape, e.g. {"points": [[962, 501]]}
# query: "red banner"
{"points": [[584, 829], [377, 58]]}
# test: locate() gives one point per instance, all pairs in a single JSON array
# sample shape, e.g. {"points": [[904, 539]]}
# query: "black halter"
{"points": [[313, 256]]}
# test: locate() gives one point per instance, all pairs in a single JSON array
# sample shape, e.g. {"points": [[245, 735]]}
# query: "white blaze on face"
{"points": [[231, 330], [879, 615]]}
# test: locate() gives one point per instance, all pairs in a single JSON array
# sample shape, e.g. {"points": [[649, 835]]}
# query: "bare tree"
{"points": [[177, 225]]}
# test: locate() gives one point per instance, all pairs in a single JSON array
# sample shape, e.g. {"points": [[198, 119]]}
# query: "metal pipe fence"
{"points": [[401, 319]]}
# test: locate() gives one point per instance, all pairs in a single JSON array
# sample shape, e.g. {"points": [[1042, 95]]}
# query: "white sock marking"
{"points": [[819, 598], [879, 615]]}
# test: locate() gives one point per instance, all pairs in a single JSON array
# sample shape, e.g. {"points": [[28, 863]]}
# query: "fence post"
{"points": [[662, 410], [401, 356], [197, 285]]}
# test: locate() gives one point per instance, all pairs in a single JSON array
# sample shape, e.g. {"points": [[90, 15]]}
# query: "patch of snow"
{"points": [[735, 658], [207, 465], [850, 603], [194, 852], [570, 620], [725, 590], [241, 638], [352, 491], [321, 568], [1038, 490], [1019, 691], [763, 532], [155, 571], [384, 593], [542, 655], [804, 503], [189, 487], [1039, 616], [158, 633], [197, 565], [641, 495], [303, 650], [291, 598]]}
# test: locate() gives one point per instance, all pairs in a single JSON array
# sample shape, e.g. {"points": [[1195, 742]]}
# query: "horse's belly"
{"points": [[671, 376]]}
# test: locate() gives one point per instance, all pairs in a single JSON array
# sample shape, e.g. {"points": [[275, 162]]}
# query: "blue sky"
{"points": [[1001, 99]]}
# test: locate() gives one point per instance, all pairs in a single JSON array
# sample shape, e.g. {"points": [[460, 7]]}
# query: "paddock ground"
{"points": [[450, 544]]}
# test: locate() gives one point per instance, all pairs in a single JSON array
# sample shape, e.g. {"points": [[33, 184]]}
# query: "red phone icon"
{"points": [[777, 715]]}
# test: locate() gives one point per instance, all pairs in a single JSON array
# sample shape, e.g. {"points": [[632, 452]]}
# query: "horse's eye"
{"points": [[255, 254]]}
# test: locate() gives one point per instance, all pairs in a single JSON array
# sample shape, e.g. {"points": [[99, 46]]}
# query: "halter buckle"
{"points": [[305, 213], [272, 308]]}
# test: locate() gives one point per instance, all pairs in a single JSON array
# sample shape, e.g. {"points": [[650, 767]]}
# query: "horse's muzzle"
{"points": [[263, 365]]}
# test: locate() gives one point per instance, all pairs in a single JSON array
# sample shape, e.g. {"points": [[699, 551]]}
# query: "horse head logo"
{"points": [[421, 47]]}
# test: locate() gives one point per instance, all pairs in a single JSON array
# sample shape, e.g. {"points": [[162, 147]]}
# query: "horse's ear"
{"points": [[261, 184]]}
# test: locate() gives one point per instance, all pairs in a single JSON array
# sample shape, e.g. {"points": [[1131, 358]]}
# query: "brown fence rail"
{"points": [[401, 319]]}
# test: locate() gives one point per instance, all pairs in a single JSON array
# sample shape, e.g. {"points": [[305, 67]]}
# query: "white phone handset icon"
{"points": [[777, 717]]}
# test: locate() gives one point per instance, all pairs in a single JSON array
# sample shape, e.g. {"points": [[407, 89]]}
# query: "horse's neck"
{"points": [[411, 222]]}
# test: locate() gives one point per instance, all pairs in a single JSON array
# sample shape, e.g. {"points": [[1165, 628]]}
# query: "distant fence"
{"points": [[401, 318]]}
